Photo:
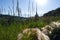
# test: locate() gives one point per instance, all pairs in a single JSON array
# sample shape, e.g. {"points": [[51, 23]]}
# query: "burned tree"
{"points": [[18, 9], [28, 7], [10, 10], [36, 16], [13, 7], [0, 10]]}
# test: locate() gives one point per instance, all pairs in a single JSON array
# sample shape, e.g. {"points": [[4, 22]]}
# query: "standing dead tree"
{"points": [[13, 7], [10, 10], [4, 10], [29, 11], [33, 8], [36, 16], [18, 9], [1, 10]]}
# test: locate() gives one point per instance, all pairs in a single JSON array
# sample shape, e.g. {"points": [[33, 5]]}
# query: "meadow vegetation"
{"points": [[11, 26]]}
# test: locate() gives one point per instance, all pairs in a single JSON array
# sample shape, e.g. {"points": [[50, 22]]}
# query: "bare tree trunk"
{"points": [[0, 11], [32, 8], [4, 10], [10, 10], [28, 8], [13, 7], [18, 9]]}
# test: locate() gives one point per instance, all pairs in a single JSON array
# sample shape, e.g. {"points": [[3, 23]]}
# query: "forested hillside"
{"points": [[54, 13]]}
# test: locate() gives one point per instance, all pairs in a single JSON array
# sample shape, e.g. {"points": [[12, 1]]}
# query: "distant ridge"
{"points": [[10, 16], [55, 12], [8, 19]]}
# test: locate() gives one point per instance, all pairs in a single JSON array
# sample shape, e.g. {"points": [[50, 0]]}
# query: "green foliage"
{"points": [[11, 27]]}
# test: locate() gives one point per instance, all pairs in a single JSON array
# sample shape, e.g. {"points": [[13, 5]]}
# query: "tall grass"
{"points": [[10, 29], [10, 32]]}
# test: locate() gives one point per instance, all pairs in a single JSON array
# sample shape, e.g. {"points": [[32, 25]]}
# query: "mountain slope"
{"points": [[55, 12]]}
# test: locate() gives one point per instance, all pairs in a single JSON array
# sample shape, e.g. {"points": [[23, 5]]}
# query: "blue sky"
{"points": [[23, 4]]}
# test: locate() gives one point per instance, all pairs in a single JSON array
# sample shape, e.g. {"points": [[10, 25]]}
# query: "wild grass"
{"points": [[11, 31]]}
